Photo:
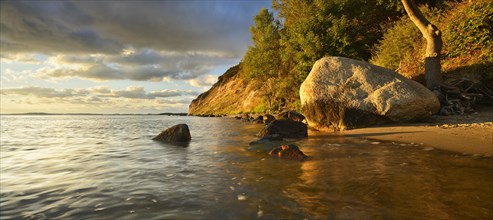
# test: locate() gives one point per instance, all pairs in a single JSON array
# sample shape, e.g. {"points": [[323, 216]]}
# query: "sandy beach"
{"points": [[469, 133]]}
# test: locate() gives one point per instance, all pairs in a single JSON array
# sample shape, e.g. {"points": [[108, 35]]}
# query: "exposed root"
{"points": [[459, 95]]}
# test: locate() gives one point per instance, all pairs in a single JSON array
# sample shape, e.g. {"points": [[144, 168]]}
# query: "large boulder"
{"points": [[290, 152], [285, 129], [175, 134], [342, 93]]}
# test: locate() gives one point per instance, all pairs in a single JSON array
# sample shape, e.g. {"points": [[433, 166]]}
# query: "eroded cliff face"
{"points": [[229, 95]]}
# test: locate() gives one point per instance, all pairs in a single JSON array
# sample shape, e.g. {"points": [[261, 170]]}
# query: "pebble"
{"points": [[428, 148], [242, 197], [375, 142], [260, 213]]}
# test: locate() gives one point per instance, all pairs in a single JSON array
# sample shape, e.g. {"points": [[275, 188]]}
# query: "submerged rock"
{"points": [[285, 129], [290, 151], [177, 133], [341, 93], [266, 139]]}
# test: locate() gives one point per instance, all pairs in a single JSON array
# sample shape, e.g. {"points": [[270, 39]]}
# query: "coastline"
{"points": [[468, 134]]}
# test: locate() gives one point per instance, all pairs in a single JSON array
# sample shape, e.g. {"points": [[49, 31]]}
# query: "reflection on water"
{"points": [[107, 167]]}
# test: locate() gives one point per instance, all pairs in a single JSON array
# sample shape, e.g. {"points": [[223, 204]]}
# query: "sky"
{"points": [[117, 56]]}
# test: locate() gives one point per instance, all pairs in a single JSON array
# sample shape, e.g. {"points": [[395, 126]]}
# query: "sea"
{"points": [[108, 167]]}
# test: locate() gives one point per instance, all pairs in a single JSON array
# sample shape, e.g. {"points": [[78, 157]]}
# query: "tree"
{"points": [[262, 60], [313, 29], [433, 43]]}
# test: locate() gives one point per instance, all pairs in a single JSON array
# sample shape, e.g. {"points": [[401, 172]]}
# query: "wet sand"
{"points": [[470, 133]]}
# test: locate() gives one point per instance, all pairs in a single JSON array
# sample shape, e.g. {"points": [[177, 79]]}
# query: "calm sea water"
{"points": [[107, 167]]}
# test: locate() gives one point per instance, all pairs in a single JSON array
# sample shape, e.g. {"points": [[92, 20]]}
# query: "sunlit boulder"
{"points": [[342, 93]]}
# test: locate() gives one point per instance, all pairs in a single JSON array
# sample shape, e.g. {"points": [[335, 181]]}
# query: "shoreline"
{"points": [[468, 134]]}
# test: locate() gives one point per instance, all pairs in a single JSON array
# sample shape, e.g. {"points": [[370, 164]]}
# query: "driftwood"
{"points": [[460, 95]]}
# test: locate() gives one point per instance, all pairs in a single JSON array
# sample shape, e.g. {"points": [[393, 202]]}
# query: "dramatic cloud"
{"points": [[109, 26], [72, 43], [143, 65]]}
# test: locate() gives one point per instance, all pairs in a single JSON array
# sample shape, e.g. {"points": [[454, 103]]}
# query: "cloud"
{"points": [[108, 27], [95, 93], [43, 92], [19, 57], [142, 65], [119, 40], [203, 81], [48, 27]]}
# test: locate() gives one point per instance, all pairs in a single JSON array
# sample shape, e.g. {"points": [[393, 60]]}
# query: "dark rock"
{"points": [[177, 133], [290, 152], [268, 118], [258, 120], [285, 129], [237, 117], [291, 115]]}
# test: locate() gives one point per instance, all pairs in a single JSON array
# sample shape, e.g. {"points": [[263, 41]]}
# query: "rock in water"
{"points": [[177, 133], [341, 93], [290, 151], [285, 129], [258, 120], [291, 115], [268, 118]]}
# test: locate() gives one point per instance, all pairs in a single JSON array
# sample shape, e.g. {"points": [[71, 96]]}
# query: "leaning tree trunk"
{"points": [[433, 43]]}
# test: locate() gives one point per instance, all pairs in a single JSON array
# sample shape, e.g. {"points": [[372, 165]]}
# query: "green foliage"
{"points": [[397, 44], [402, 45], [317, 28], [262, 60], [260, 108], [471, 30]]}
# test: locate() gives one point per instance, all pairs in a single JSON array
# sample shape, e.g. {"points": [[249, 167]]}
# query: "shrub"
{"points": [[402, 46], [468, 39], [469, 31]]}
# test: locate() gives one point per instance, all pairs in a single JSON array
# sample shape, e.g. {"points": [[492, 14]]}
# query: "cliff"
{"points": [[231, 94]]}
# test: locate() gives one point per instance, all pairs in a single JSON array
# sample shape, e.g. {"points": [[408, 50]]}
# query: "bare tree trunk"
{"points": [[433, 38]]}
